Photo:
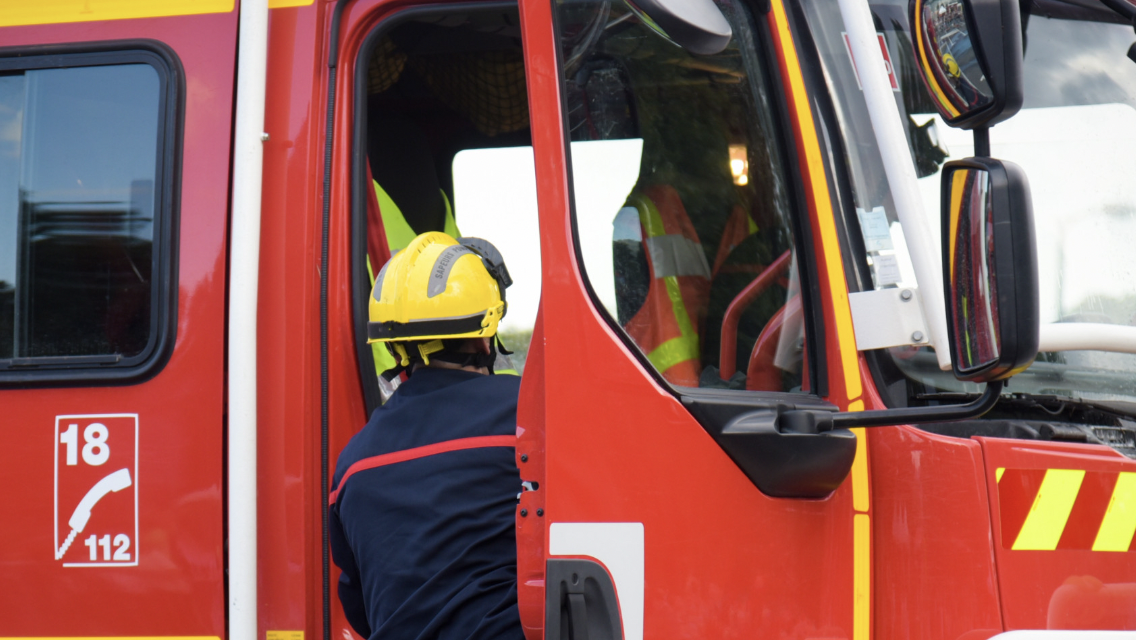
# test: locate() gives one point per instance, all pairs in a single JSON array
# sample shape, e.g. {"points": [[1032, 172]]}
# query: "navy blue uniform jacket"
{"points": [[422, 525]]}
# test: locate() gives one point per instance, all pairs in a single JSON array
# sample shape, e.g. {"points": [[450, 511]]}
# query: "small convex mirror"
{"points": [[695, 25], [969, 54], [990, 269]]}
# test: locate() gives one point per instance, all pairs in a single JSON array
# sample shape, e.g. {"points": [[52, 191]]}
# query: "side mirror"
{"points": [[695, 25], [989, 269], [969, 54]]}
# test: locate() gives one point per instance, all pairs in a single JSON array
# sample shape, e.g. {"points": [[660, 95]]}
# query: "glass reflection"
{"points": [[974, 292], [78, 161], [947, 56]]}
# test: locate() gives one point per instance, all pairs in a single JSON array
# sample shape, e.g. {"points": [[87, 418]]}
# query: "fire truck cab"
{"points": [[749, 404]]}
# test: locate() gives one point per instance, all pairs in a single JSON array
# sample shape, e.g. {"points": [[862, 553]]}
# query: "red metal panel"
{"points": [[288, 491], [176, 589], [934, 564], [1071, 586], [722, 560]]}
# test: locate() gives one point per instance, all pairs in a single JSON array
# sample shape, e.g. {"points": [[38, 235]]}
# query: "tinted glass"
{"points": [[78, 158], [681, 198]]}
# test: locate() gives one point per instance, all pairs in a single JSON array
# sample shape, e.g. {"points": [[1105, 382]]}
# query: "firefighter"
{"points": [[423, 497]]}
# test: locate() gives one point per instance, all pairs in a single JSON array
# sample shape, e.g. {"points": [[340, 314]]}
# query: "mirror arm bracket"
{"points": [[806, 421], [982, 141]]}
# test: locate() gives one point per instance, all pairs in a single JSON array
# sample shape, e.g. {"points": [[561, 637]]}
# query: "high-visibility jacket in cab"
{"points": [[667, 326]]}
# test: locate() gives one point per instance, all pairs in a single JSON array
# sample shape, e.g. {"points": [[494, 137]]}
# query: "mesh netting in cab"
{"points": [[487, 87], [387, 64]]}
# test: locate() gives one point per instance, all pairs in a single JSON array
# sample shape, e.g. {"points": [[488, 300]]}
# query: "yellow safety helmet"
{"points": [[438, 288]]}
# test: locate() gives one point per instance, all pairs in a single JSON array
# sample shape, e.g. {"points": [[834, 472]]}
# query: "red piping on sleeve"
{"points": [[479, 442]]}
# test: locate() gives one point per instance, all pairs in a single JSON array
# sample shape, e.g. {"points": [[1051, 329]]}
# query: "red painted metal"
{"points": [[728, 357], [177, 587], [1071, 587], [602, 439], [934, 568], [721, 558]]}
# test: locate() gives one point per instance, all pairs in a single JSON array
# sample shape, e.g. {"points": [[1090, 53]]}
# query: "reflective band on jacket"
{"points": [[676, 255], [672, 256]]}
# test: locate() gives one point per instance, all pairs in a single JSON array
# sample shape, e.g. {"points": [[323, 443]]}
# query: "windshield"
{"points": [[1073, 137]]}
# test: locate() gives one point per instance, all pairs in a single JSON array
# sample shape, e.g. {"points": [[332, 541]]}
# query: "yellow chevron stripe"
{"points": [[1050, 511], [1119, 524], [998, 474]]}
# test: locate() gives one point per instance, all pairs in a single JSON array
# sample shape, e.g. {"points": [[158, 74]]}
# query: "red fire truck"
{"points": [[749, 405]]}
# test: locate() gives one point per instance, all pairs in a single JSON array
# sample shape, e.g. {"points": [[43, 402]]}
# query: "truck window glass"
{"points": [[682, 210], [1071, 137], [79, 169]]}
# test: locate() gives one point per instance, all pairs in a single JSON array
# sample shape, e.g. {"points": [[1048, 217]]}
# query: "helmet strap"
{"points": [[443, 350], [426, 348]]}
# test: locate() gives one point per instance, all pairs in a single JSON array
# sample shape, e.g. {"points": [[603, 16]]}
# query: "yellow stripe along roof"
{"points": [[24, 12]]}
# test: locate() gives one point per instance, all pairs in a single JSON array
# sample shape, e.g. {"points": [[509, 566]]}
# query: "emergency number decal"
{"points": [[96, 490]]}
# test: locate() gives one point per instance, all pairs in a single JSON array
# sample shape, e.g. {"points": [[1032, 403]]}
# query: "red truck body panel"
{"points": [[915, 543]]}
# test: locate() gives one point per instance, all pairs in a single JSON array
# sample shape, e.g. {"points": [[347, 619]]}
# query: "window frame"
{"points": [[115, 369], [800, 226]]}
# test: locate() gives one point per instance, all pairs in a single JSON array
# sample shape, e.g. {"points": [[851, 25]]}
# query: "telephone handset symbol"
{"points": [[114, 482]]}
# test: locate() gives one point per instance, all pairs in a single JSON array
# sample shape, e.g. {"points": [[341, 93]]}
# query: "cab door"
{"points": [[113, 198], [692, 290]]}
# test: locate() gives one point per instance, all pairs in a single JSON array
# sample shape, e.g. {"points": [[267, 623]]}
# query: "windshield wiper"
{"points": [[1051, 404]]}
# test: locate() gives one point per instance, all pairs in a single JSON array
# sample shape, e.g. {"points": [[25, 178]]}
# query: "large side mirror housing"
{"points": [[989, 269], [969, 54], [695, 25], [990, 276]]}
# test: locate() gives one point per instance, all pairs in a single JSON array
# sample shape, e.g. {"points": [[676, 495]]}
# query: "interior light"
{"points": [[739, 164]]}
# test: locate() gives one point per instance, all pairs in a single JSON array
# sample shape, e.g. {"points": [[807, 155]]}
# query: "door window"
{"points": [[81, 211], [445, 122], [682, 200]]}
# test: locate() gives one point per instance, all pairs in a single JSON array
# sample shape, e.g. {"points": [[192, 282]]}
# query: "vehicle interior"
{"points": [[438, 84]]}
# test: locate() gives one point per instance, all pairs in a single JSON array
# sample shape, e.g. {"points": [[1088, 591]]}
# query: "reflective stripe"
{"points": [[671, 255], [1050, 511], [672, 352], [675, 255], [461, 444], [440, 273], [1119, 524], [377, 286], [649, 216], [681, 348]]}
